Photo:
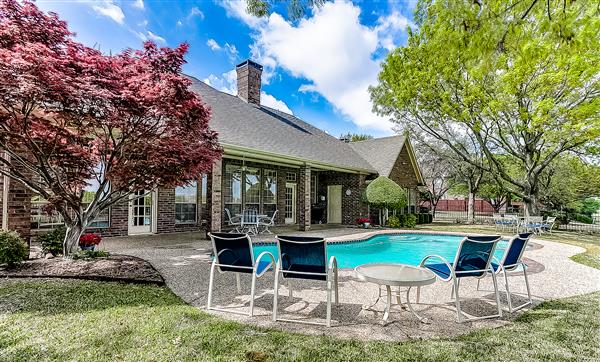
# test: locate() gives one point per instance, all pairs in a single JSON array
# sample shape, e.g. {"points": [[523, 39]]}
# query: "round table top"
{"points": [[395, 274]]}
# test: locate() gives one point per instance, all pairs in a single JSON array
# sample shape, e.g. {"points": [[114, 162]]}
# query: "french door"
{"points": [[290, 203], [141, 212]]}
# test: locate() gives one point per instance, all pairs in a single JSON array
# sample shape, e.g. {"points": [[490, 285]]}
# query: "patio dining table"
{"points": [[400, 275], [253, 227]]}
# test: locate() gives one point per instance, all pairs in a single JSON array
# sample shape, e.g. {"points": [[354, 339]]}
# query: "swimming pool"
{"points": [[391, 248]]}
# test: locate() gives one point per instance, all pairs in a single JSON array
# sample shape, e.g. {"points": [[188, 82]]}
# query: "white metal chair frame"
{"points": [[255, 275], [331, 273], [505, 269], [548, 225], [533, 224], [234, 221], [456, 280], [267, 224], [249, 221]]}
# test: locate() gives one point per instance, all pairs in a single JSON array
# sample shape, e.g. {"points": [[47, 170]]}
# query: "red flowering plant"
{"points": [[89, 239], [363, 220]]}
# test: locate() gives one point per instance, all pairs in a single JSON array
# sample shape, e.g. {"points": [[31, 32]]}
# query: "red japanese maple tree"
{"points": [[70, 114]]}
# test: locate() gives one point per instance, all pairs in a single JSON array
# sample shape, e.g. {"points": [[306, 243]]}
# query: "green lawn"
{"points": [[590, 242], [94, 321]]}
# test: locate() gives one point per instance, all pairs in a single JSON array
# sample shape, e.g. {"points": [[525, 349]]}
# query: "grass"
{"points": [[590, 242], [84, 321]]}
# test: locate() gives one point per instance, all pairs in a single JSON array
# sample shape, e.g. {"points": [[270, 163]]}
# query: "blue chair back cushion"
{"points": [[303, 254], [236, 252], [474, 254], [515, 250]]}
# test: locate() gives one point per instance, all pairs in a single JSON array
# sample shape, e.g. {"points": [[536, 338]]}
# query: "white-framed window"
{"points": [[102, 220], [252, 189], [232, 190], [186, 204], [290, 177], [269, 192]]}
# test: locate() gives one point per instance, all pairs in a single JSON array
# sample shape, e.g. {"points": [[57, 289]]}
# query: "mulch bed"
{"points": [[121, 268]]}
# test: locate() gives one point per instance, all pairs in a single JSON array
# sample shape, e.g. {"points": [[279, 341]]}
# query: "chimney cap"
{"points": [[250, 63]]}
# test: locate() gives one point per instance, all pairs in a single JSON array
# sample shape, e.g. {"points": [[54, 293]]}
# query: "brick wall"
{"points": [[19, 207], [303, 198], [403, 172], [352, 205]]}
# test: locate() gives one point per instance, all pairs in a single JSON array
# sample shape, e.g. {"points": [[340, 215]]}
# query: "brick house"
{"points": [[272, 161]]}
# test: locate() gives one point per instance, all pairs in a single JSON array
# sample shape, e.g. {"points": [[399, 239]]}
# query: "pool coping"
{"points": [[359, 237]]}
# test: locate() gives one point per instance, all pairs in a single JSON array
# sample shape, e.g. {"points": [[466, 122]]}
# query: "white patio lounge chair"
{"points": [[233, 253], [473, 259], [304, 257]]}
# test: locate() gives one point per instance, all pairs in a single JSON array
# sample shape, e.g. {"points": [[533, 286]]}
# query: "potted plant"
{"points": [[88, 241], [364, 221]]}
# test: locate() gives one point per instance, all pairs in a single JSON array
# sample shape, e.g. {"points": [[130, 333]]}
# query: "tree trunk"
{"points": [[471, 208], [72, 238], [530, 206]]}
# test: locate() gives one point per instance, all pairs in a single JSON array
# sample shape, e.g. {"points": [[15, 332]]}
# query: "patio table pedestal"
{"points": [[400, 275]]}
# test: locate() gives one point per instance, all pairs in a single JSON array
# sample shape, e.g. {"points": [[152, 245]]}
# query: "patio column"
{"points": [[304, 198], [214, 201]]}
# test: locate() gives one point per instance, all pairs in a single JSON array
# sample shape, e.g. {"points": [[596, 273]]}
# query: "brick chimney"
{"points": [[248, 81]]}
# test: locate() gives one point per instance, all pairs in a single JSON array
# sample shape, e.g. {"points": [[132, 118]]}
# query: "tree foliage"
{"points": [[355, 137], [296, 8], [72, 117], [521, 78], [384, 193]]}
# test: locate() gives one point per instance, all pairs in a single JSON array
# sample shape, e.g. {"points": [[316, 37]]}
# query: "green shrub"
{"points": [[393, 222], [410, 221], [383, 193], [583, 218], [13, 249], [90, 254], [52, 242]]}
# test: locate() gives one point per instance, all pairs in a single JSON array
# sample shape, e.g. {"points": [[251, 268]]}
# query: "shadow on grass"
{"points": [[48, 296]]}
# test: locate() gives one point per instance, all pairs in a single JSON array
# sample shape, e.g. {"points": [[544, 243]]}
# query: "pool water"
{"points": [[391, 248]]}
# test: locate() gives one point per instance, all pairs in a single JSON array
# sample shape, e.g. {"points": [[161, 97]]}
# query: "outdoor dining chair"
{"points": [[512, 262], [533, 224], [266, 222], [303, 257], [473, 259], [233, 222], [249, 222], [548, 225], [233, 253]]}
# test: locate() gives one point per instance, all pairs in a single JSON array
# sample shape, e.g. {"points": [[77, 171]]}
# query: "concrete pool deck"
{"points": [[184, 261]]}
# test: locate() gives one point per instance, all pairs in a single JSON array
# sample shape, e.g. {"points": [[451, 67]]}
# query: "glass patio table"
{"points": [[399, 275]]}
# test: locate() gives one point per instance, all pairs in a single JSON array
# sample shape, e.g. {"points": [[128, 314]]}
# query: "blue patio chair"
{"points": [[473, 259], [233, 253], [303, 257], [512, 261]]}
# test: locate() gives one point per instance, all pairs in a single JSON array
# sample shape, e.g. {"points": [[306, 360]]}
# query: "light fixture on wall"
{"points": [[348, 192], [322, 197]]}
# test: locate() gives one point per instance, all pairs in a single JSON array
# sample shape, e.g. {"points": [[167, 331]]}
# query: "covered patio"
{"points": [[184, 261]]}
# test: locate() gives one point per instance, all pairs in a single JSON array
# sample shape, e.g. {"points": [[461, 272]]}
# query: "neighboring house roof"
{"points": [[251, 130], [382, 153]]}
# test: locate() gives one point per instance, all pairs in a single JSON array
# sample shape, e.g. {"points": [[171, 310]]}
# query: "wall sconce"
{"points": [[322, 197], [348, 192]]}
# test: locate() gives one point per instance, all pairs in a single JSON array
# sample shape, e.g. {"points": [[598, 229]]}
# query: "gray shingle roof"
{"points": [[262, 128], [381, 153]]}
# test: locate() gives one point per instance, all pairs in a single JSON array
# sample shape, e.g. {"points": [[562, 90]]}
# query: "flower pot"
{"points": [[366, 225], [87, 247]]}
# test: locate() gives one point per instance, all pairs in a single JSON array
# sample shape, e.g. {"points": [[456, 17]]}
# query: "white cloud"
{"points": [[270, 101], [138, 4], [213, 45], [227, 83], [334, 52], [156, 38], [237, 9], [195, 11], [229, 49], [110, 9]]}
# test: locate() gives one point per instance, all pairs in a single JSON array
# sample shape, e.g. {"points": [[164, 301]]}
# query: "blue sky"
{"points": [[318, 68]]}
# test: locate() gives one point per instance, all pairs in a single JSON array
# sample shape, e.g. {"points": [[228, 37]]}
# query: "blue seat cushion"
{"points": [[263, 265], [305, 269], [442, 270]]}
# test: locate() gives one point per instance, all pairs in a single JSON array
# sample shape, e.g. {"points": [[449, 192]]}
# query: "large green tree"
{"points": [[520, 77]]}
